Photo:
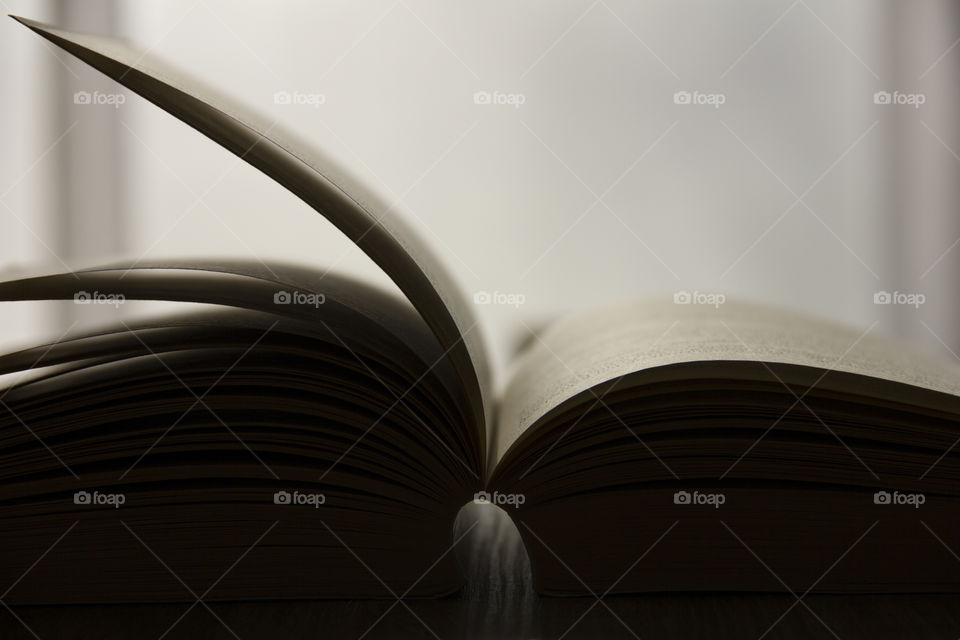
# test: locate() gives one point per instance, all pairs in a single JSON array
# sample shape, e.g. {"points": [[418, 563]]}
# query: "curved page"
{"points": [[315, 179]]}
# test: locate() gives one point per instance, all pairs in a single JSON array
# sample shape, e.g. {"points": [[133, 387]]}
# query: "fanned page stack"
{"points": [[316, 436]]}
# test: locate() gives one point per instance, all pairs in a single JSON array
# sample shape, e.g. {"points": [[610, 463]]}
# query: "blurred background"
{"points": [[801, 153]]}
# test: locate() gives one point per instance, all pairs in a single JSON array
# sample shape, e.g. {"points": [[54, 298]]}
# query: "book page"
{"points": [[317, 180], [585, 350]]}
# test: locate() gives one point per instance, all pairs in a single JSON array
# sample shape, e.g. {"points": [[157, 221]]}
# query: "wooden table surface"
{"points": [[498, 602]]}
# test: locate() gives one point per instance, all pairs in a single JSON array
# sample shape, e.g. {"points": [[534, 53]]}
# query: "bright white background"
{"points": [[798, 190]]}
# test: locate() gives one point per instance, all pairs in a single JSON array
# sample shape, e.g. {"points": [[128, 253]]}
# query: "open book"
{"points": [[317, 437]]}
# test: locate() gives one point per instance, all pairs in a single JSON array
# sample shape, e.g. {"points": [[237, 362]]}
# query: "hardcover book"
{"points": [[315, 436]]}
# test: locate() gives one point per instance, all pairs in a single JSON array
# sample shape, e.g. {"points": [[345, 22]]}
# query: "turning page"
{"points": [[314, 177]]}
